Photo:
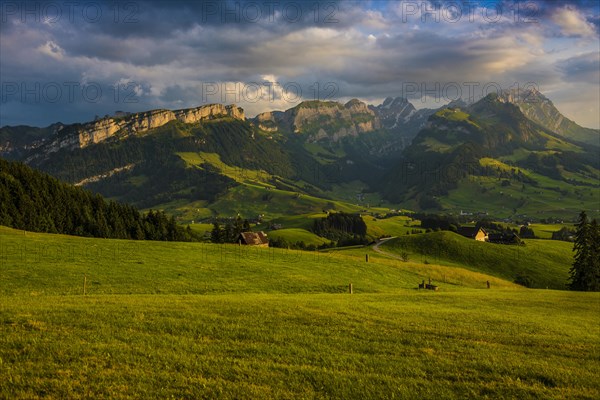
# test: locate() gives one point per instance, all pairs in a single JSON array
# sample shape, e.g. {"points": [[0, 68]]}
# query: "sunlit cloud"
{"points": [[368, 50], [572, 22]]}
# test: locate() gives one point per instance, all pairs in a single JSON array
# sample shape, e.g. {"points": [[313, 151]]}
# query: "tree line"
{"points": [[585, 271], [230, 232], [34, 201], [347, 229]]}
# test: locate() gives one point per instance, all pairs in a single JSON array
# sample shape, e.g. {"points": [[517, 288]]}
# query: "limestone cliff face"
{"points": [[322, 120], [83, 135], [98, 131], [310, 113], [268, 121]]}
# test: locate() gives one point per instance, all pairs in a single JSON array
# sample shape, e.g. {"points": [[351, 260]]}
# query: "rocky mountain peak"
{"points": [[387, 101], [541, 110], [519, 96], [83, 135], [356, 105], [395, 111]]}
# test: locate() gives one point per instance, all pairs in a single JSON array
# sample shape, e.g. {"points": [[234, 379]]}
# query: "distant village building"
{"points": [[253, 239], [472, 232]]}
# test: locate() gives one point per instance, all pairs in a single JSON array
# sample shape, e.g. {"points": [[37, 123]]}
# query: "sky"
{"points": [[72, 61]]}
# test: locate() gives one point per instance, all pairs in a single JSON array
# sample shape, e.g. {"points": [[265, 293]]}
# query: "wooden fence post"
{"points": [[350, 288], [84, 284]]}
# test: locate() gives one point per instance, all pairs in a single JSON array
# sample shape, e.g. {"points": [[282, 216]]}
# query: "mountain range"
{"points": [[508, 154]]}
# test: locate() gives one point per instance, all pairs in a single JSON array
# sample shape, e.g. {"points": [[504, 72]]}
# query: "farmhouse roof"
{"points": [[254, 238], [470, 231]]}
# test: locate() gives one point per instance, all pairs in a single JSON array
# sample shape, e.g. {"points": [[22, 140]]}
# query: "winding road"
{"points": [[385, 253]]}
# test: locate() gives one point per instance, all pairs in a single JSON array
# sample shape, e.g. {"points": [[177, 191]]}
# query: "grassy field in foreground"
{"points": [[471, 344], [189, 320]]}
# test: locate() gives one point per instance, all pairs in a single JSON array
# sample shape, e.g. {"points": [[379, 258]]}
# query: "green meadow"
{"points": [[545, 262], [550, 198], [200, 321], [293, 235]]}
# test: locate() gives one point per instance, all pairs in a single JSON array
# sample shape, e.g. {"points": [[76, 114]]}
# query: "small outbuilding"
{"points": [[472, 232], [253, 239]]}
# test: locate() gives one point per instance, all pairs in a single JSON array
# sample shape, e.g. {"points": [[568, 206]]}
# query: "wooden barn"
{"points": [[253, 239], [472, 232]]}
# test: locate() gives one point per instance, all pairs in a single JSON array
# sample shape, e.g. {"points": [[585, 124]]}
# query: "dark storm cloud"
{"points": [[583, 68], [162, 19], [164, 53]]}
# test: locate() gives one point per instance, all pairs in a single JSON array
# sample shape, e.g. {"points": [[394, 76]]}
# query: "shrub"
{"points": [[404, 256]]}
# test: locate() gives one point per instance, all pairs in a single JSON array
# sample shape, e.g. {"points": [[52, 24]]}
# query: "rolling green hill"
{"points": [[393, 226], [545, 262], [43, 264], [292, 235]]}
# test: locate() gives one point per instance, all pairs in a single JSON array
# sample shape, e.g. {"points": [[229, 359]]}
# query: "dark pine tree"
{"points": [[246, 226], [584, 271], [216, 235], [229, 234], [594, 256]]}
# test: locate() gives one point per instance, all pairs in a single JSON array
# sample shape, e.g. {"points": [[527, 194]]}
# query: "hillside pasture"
{"points": [[545, 262], [191, 320]]}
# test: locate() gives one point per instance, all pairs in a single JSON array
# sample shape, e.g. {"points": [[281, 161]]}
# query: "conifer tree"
{"points": [[585, 271], [594, 232], [229, 234], [246, 226], [216, 234]]}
